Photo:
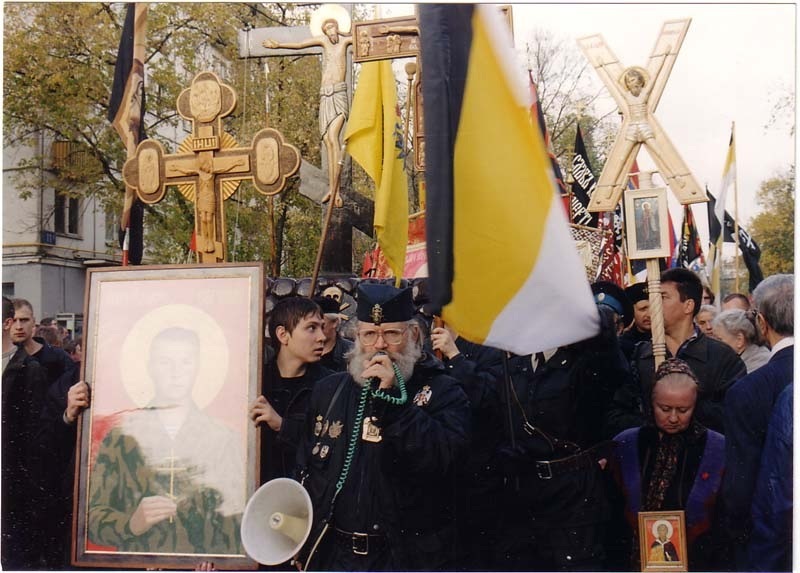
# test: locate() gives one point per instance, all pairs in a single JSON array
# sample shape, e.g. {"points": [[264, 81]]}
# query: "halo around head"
{"points": [[645, 75], [662, 522], [330, 12], [213, 367]]}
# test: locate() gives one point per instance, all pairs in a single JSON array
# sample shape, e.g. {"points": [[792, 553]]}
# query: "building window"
{"points": [[67, 214], [112, 234], [8, 290], [69, 159]]}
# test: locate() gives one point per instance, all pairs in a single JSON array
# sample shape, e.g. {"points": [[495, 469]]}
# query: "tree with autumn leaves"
{"points": [[59, 63]]}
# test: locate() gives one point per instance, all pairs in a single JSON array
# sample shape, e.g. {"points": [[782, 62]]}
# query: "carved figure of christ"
{"points": [[637, 92], [206, 167], [334, 105]]}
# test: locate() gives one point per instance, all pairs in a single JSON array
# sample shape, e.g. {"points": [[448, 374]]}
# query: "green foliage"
{"points": [[565, 87], [58, 71], [773, 228]]}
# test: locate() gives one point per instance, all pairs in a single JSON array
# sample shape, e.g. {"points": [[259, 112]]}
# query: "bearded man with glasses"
{"points": [[383, 440]]}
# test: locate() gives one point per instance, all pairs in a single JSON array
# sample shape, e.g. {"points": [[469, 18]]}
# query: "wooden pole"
{"points": [[656, 311], [654, 292], [275, 265], [326, 225], [411, 71], [735, 210]]}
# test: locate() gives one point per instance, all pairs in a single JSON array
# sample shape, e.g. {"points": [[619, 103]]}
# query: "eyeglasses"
{"points": [[390, 336]]}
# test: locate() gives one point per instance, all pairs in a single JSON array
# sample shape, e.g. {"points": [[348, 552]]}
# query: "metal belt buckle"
{"points": [[361, 543], [548, 475]]}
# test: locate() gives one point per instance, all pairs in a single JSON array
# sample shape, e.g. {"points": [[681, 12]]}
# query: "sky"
{"points": [[735, 61]]}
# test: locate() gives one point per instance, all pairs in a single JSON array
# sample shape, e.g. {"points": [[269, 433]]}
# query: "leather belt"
{"points": [[360, 543], [553, 468]]}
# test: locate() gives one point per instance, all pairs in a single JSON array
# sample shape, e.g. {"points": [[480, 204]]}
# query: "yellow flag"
{"points": [[493, 211], [374, 140]]}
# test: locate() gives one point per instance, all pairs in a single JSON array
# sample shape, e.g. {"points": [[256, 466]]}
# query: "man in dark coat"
{"points": [[24, 388], [770, 547], [296, 335], [52, 504], [336, 346], [714, 363], [555, 506], [53, 359], [750, 401], [639, 331], [479, 371], [383, 441]]}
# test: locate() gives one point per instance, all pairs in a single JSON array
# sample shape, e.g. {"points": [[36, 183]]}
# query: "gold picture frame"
{"points": [[647, 223], [173, 362], [662, 541]]}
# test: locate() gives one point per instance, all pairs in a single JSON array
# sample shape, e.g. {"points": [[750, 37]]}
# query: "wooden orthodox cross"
{"points": [[209, 166], [637, 92], [325, 39], [356, 210]]}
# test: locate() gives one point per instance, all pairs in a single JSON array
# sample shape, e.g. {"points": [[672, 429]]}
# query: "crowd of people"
{"points": [[423, 451]]}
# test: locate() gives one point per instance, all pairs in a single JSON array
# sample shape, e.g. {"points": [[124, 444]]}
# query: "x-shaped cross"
{"points": [[637, 92]]}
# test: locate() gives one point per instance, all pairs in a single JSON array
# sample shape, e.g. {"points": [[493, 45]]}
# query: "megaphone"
{"points": [[276, 521]]}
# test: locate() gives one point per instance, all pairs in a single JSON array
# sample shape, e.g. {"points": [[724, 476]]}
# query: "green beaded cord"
{"points": [[351, 448], [401, 383]]}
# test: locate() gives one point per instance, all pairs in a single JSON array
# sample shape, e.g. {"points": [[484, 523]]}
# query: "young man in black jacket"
{"points": [[296, 335]]}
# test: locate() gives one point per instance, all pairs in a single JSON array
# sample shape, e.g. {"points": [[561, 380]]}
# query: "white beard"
{"points": [[404, 359]]}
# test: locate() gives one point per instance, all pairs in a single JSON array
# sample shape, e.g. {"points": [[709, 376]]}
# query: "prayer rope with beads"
{"points": [[351, 448], [401, 383]]}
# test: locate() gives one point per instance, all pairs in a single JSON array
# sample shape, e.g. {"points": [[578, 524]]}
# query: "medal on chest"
{"points": [[423, 396], [370, 432]]}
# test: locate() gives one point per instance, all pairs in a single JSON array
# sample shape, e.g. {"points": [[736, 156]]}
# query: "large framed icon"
{"points": [[167, 456], [662, 541]]}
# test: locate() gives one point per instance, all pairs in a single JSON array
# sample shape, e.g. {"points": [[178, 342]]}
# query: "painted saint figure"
{"points": [[647, 227], [662, 550], [168, 477], [330, 29]]}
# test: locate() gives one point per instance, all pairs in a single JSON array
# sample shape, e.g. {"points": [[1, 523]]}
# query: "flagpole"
{"points": [[735, 211], [331, 202], [126, 246], [275, 266]]}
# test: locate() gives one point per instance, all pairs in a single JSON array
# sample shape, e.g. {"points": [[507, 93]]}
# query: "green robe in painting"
{"points": [[138, 459]]}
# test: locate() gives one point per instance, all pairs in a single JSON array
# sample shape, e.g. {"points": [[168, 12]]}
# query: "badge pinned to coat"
{"points": [[423, 396]]}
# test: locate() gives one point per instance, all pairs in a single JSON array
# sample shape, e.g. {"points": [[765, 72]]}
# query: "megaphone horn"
{"points": [[291, 526], [276, 521]]}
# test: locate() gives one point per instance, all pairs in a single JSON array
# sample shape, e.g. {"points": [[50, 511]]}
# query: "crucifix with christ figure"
{"points": [[637, 92], [209, 166]]}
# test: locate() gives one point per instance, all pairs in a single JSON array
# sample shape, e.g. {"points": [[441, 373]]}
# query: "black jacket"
{"points": [[23, 495], [714, 363], [401, 486], [55, 361], [289, 397]]}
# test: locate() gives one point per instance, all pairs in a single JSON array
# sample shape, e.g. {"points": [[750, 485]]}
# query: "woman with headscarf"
{"points": [[672, 463], [734, 328]]}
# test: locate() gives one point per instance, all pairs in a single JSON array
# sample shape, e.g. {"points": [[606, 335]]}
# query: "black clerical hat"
{"points": [[327, 304], [637, 292], [379, 303]]}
